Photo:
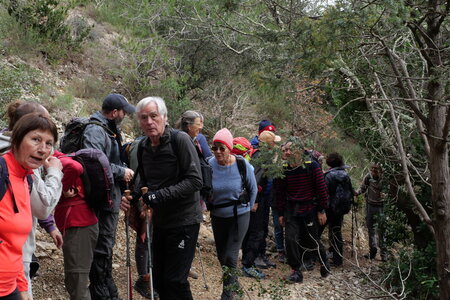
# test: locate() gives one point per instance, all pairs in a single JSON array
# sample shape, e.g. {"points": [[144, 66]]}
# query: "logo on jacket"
{"points": [[181, 244]]}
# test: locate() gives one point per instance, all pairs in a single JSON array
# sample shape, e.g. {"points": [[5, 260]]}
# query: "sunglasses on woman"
{"points": [[221, 148]]}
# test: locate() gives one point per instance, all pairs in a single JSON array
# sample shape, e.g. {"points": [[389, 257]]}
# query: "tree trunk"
{"points": [[441, 198]]}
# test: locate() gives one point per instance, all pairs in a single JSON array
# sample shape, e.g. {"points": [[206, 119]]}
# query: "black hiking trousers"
{"points": [[334, 223], [254, 237], [173, 252], [102, 285], [302, 237]]}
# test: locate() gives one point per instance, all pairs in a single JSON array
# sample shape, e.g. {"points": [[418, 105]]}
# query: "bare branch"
{"points": [[412, 194], [434, 102], [406, 90]]}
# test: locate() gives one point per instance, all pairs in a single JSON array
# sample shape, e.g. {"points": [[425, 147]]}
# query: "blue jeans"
{"points": [[278, 231]]}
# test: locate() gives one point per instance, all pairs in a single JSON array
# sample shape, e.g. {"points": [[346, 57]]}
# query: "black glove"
{"points": [[151, 199], [135, 197]]}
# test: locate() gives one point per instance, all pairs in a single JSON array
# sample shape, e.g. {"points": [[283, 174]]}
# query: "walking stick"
{"points": [[144, 190], [201, 264], [353, 236], [127, 234]]}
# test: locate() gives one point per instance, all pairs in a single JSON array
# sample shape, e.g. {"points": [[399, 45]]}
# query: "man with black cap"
{"points": [[114, 109]]}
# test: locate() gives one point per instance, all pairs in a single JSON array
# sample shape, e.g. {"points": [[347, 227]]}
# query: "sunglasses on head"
{"points": [[221, 148]]}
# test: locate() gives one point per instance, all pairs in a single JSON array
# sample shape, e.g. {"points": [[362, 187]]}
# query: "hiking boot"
{"points": [[142, 286], [335, 263], [268, 262], [193, 274], [295, 277], [253, 272], [281, 257], [372, 253], [370, 256], [260, 263], [324, 271]]}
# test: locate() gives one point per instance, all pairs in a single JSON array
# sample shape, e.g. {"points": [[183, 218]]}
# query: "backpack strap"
{"points": [[139, 171], [5, 183], [174, 140], [98, 123], [30, 183], [242, 170], [4, 177]]}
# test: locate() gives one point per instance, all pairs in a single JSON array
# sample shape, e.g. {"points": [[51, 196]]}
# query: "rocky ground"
{"points": [[352, 281]]}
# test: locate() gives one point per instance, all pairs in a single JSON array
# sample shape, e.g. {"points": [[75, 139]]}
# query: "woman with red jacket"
{"points": [[32, 141], [79, 226]]}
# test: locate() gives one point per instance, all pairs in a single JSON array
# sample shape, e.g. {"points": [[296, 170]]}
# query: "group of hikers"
{"points": [[164, 181]]}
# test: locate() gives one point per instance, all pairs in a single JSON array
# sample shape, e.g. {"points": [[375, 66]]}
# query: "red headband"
{"points": [[268, 128]]}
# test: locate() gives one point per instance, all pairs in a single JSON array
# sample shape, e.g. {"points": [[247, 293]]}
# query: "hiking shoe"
{"points": [[370, 256], [253, 272], [260, 263], [281, 257], [295, 277], [324, 271], [142, 286], [268, 262], [193, 274], [336, 263]]}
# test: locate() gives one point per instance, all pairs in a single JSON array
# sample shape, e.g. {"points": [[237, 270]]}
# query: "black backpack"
{"points": [[5, 184], [206, 190], [73, 137], [343, 198], [97, 177]]}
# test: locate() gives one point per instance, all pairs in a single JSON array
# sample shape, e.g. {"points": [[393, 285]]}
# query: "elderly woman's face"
{"points": [[221, 153], [35, 148], [194, 128]]}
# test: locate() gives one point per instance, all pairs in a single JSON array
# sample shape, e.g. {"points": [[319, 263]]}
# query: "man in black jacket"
{"points": [[170, 168]]}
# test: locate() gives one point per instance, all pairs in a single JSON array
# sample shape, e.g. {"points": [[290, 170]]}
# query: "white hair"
{"points": [[160, 104]]}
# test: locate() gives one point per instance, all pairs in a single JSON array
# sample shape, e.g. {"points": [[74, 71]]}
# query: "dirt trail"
{"points": [[347, 282]]}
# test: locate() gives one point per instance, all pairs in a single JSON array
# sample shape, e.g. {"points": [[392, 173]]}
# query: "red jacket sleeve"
{"points": [[72, 171]]}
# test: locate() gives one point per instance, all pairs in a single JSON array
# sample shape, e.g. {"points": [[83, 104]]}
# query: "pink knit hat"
{"points": [[225, 137]]}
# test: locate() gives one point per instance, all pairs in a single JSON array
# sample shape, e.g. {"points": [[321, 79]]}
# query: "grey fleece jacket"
{"points": [[96, 137], [372, 187]]}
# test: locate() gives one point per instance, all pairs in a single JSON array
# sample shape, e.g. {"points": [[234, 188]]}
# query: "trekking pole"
{"points": [[356, 225], [353, 236], [127, 234], [201, 264], [144, 190]]}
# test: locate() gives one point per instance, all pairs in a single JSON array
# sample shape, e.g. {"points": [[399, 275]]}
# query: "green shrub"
{"points": [[90, 87], [417, 269], [43, 27], [394, 224], [64, 101], [14, 81]]}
